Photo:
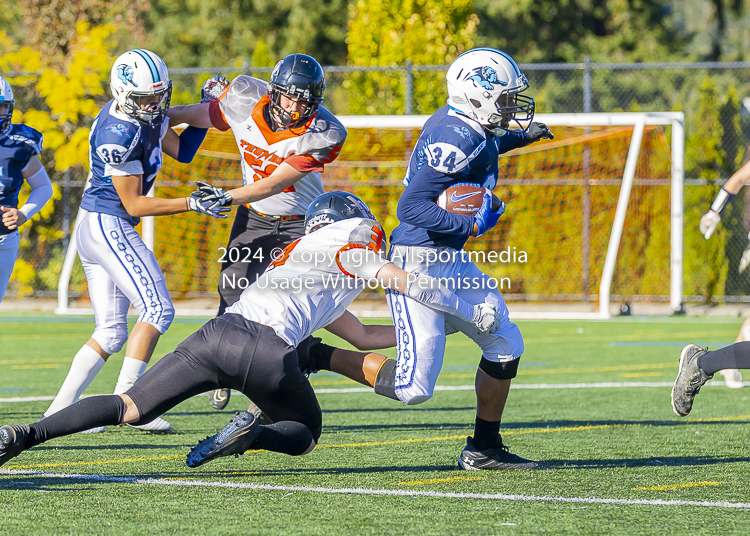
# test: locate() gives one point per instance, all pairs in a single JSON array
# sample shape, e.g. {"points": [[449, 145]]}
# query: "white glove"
{"points": [[709, 223], [485, 318], [745, 260]]}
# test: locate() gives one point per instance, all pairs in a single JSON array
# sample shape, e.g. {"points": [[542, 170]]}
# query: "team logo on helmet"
{"points": [[125, 73], [484, 77]]}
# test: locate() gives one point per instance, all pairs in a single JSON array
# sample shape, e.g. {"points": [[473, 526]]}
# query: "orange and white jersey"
{"points": [[315, 279], [306, 148]]}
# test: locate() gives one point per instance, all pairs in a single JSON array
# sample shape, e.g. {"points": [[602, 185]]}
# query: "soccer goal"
{"points": [[594, 216]]}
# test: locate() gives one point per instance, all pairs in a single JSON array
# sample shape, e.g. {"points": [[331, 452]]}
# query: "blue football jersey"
{"points": [[451, 149], [16, 149], [120, 145]]}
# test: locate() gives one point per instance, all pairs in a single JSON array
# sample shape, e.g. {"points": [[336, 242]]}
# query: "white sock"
{"points": [[131, 370], [86, 364]]}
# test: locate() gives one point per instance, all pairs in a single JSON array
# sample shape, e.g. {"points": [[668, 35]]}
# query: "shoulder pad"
{"points": [[243, 94], [324, 138], [30, 136], [368, 233]]}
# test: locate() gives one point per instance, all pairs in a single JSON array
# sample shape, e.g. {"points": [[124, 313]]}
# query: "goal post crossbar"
{"points": [[638, 120]]}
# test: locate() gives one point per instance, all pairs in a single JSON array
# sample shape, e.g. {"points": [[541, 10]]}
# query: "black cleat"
{"points": [[496, 458], [219, 398], [12, 441], [235, 438], [690, 379]]}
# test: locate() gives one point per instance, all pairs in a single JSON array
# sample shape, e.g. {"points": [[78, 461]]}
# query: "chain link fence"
{"points": [[714, 96]]}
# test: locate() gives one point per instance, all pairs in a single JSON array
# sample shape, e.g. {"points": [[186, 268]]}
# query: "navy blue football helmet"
{"points": [[299, 76], [335, 206]]}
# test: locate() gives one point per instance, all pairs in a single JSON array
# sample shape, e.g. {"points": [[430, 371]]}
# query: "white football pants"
{"points": [[420, 331], [120, 270], [8, 255]]}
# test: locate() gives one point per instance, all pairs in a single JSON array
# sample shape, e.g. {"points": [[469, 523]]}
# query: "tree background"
{"points": [[71, 45]]}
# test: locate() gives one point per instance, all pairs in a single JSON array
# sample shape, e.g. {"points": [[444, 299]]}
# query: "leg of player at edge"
{"points": [[698, 365]]}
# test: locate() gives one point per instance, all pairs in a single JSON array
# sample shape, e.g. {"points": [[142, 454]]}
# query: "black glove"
{"points": [[537, 131], [213, 88]]}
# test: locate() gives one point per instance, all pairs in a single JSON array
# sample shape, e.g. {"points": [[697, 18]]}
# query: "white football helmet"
{"points": [[137, 76], [486, 85], [6, 97]]}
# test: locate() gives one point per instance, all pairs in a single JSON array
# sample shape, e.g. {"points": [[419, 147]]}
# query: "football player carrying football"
{"points": [[285, 137], [460, 143], [125, 153]]}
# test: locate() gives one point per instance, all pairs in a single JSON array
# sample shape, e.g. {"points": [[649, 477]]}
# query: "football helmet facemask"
{"points": [[299, 77], [486, 85], [335, 206], [141, 86], [6, 98]]}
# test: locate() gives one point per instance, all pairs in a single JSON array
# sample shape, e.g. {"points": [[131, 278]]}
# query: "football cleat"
{"points": [[12, 441], [690, 379], [158, 425], [219, 398], [235, 438], [732, 378], [498, 458]]}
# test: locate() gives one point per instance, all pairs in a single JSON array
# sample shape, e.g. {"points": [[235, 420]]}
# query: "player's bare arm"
{"points": [[710, 220], [362, 337], [282, 178], [41, 192], [195, 115]]}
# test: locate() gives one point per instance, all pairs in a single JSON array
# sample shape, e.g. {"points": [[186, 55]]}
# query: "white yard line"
{"points": [[368, 491], [606, 385]]}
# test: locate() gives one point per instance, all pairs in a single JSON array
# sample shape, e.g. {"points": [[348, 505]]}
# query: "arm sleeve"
{"points": [[428, 291], [217, 116], [302, 162], [513, 139], [190, 141], [41, 192]]}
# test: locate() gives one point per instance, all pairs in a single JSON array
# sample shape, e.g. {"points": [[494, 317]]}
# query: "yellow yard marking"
{"points": [[639, 374], [231, 473], [438, 480], [40, 366], [677, 486], [101, 462]]}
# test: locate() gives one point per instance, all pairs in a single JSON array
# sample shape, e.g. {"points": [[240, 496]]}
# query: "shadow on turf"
{"points": [[467, 426], [654, 461]]}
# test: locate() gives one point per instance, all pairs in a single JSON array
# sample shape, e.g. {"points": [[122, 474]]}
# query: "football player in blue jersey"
{"points": [[460, 143], [20, 147], [126, 144]]}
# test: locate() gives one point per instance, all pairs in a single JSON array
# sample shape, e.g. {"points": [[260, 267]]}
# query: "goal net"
{"points": [[594, 217]]}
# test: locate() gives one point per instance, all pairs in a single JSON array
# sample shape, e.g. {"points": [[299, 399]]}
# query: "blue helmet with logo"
{"points": [[335, 206]]}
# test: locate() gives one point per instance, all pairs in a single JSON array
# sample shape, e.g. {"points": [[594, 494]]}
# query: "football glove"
{"points": [[537, 131], [485, 318], [486, 218], [709, 223], [210, 193], [213, 88], [745, 260]]}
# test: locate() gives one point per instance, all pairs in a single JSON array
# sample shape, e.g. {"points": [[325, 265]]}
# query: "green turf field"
{"points": [[616, 459]]}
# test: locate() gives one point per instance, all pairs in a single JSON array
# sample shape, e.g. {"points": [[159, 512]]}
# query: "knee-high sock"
{"points": [[84, 368], [131, 370], [104, 410], [287, 437], [734, 356]]}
